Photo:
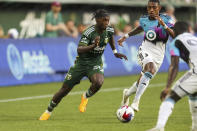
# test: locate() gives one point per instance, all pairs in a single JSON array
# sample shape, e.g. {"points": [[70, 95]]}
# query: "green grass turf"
{"points": [[101, 109]]}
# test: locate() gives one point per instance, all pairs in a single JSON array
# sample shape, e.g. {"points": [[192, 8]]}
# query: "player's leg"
{"points": [[166, 110], [73, 77], [184, 86], [149, 71], [55, 101], [58, 96], [95, 74], [193, 110], [97, 81], [145, 60], [128, 92]]}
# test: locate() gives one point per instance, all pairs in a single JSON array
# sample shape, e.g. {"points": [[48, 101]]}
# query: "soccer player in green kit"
{"points": [[88, 62]]}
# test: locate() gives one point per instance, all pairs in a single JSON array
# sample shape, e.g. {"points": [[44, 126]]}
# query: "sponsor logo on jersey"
{"points": [[192, 42], [98, 49], [151, 35]]}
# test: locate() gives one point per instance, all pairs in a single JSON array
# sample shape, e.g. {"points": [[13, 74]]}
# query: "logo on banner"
{"points": [[15, 61], [28, 62], [72, 52], [131, 53]]}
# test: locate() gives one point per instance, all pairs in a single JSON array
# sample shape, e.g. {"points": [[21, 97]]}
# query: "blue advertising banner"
{"points": [[38, 60]]}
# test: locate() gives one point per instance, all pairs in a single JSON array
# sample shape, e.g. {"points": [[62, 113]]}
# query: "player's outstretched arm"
{"points": [[172, 73], [136, 31], [116, 54], [121, 56], [83, 49]]}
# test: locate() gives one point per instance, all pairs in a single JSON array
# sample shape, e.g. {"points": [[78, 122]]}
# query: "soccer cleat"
{"points": [[83, 104], [135, 106], [156, 129], [45, 116], [125, 98]]}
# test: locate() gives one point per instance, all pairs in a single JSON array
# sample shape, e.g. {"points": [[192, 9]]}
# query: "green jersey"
{"points": [[88, 37]]}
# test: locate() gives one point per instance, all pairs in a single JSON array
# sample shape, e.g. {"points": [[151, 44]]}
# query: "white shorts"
{"points": [[149, 52], [186, 85]]}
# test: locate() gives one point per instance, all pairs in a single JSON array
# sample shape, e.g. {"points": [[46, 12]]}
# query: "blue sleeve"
{"points": [[174, 51], [141, 22], [169, 21]]}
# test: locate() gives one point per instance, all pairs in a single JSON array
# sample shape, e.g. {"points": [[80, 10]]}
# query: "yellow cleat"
{"points": [[45, 116], [84, 102]]}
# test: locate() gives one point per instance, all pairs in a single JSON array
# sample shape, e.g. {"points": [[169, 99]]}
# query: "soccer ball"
{"points": [[125, 114]]}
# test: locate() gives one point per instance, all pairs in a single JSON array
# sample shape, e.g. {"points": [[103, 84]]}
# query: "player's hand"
{"points": [[121, 40], [161, 22], [164, 93], [97, 40], [119, 55]]}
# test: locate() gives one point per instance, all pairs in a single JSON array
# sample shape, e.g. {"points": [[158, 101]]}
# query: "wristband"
{"points": [[126, 35], [115, 51], [165, 26]]}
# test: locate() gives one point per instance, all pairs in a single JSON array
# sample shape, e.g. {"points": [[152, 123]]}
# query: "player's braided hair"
{"points": [[100, 13], [157, 1]]}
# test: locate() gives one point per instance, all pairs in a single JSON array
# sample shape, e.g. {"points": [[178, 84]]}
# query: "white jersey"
{"points": [[185, 46]]}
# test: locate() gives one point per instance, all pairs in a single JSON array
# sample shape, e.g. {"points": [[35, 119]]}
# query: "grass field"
{"points": [[22, 115]]}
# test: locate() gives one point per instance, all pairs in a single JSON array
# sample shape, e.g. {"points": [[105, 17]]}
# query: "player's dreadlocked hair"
{"points": [[100, 13], [157, 1], [181, 27]]}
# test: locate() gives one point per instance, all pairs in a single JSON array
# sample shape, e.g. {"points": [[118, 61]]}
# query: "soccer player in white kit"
{"points": [[183, 46], [157, 28]]}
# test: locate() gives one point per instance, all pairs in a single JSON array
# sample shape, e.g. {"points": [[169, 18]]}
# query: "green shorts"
{"points": [[77, 72]]}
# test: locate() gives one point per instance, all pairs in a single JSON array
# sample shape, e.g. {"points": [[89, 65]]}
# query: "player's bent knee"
{"points": [[98, 83], [150, 68], [152, 71]]}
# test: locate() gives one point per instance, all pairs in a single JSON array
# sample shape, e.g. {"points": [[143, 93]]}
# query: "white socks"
{"points": [[164, 112], [48, 112], [193, 110], [132, 89], [143, 83]]}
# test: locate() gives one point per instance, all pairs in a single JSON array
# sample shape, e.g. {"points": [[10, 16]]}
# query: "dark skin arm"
{"points": [[83, 49], [136, 31], [172, 73], [169, 30], [117, 55]]}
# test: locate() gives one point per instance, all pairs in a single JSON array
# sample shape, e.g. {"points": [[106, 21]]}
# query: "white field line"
{"points": [[72, 93]]}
